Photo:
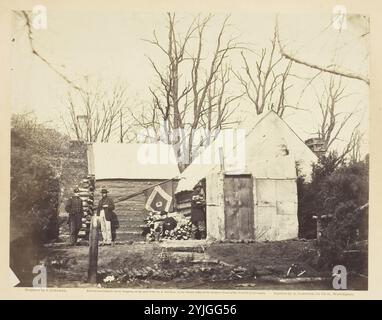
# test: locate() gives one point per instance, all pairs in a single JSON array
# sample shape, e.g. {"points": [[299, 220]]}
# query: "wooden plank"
{"points": [[238, 207], [181, 206], [215, 206], [246, 208], [229, 208]]}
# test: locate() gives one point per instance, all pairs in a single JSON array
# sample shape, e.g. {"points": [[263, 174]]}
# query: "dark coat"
{"points": [[108, 211], [75, 209], [198, 204], [114, 221], [114, 225]]}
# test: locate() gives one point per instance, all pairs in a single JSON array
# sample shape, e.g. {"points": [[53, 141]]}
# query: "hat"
{"points": [[104, 190], [76, 190]]}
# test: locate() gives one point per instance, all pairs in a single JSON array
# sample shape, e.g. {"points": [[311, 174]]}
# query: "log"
{"points": [[93, 250]]}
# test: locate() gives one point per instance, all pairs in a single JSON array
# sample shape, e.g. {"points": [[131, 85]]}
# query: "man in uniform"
{"points": [[104, 211], [74, 208], [198, 212]]}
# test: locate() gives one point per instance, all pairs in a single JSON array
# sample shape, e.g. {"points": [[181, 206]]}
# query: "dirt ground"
{"points": [[192, 265]]}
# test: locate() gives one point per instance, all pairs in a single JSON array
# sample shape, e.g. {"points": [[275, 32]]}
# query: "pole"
{"points": [[93, 249], [318, 227], [221, 156]]}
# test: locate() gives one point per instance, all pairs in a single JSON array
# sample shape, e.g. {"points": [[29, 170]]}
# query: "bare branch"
{"points": [[264, 86], [333, 69], [36, 52]]}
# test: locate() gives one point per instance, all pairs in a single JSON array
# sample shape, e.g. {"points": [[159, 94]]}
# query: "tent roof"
{"points": [[271, 150], [134, 161]]}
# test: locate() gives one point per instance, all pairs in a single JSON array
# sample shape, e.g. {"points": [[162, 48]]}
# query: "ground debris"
{"points": [[246, 285], [165, 265], [210, 269]]}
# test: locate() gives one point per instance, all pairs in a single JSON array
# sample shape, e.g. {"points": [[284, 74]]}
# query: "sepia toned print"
{"points": [[183, 150]]}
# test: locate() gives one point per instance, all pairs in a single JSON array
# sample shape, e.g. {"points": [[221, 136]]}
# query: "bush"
{"points": [[337, 189], [34, 179]]}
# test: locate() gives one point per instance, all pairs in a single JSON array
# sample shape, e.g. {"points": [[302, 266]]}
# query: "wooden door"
{"points": [[238, 207]]}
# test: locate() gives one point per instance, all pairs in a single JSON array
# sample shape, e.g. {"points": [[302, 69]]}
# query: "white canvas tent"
{"points": [[132, 161], [271, 151], [264, 145]]}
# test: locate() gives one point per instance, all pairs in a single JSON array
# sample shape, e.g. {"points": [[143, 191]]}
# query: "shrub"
{"points": [[337, 189], [34, 179]]}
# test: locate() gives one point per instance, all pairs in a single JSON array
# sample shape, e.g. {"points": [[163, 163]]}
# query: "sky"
{"points": [[109, 47]]}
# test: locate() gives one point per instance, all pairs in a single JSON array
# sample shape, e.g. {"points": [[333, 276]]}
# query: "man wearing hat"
{"points": [[104, 211], [198, 212], [74, 208]]}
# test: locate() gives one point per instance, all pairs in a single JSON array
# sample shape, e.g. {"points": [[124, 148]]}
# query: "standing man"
{"points": [[74, 208], [198, 212], [104, 211]]}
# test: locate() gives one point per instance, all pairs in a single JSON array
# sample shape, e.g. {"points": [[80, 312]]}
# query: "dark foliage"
{"points": [[337, 190], [34, 179]]}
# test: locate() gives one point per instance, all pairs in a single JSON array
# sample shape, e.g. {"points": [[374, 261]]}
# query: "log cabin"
{"points": [[133, 169]]}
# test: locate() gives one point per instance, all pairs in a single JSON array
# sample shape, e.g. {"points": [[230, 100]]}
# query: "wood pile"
{"points": [[155, 230], [152, 226], [86, 188], [183, 232]]}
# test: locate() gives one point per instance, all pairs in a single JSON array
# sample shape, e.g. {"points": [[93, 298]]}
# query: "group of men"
{"points": [[109, 221], [104, 210]]}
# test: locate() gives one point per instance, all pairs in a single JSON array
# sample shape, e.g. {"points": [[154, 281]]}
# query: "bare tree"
{"points": [[332, 121], [97, 114], [146, 125], [266, 84], [192, 90], [94, 115], [353, 149], [127, 126], [217, 112]]}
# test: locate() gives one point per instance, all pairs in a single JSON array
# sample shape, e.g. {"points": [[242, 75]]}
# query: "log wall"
{"points": [[131, 213]]}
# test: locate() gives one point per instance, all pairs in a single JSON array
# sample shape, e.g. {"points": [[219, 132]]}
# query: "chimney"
{"points": [[317, 145]]}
